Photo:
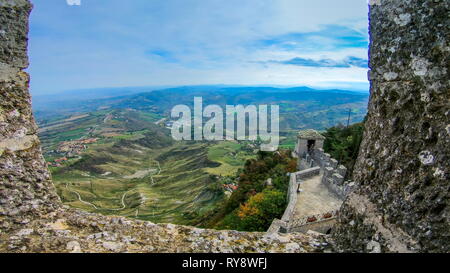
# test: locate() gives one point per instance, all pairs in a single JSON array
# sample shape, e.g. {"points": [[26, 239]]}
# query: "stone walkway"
{"points": [[315, 198]]}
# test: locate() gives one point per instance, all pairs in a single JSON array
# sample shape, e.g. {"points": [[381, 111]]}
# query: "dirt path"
{"points": [[159, 171], [122, 199], [94, 206]]}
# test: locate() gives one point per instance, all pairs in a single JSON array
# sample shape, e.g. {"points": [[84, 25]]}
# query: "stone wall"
{"points": [[333, 173], [401, 203], [285, 222], [323, 159], [305, 162], [32, 218]]}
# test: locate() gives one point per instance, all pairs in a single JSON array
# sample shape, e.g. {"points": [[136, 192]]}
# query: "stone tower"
{"points": [[403, 170], [308, 140]]}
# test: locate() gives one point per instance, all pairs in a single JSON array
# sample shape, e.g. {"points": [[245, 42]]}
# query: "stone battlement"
{"points": [[333, 174]]}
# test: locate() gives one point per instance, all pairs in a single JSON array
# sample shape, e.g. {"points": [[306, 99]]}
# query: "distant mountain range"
{"points": [[300, 107]]}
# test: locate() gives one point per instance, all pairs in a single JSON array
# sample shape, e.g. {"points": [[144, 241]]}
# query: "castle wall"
{"points": [[333, 174], [401, 201], [287, 218], [302, 145], [322, 226]]}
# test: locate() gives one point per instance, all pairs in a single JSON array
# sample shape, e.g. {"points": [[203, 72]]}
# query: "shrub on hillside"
{"points": [[342, 143], [254, 205]]}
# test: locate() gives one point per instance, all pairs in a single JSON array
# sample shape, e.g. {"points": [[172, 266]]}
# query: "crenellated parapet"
{"points": [[400, 202], [333, 174]]}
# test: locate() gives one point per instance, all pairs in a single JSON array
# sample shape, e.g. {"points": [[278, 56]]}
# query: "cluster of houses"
{"points": [[71, 149], [57, 162], [230, 187], [75, 147]]}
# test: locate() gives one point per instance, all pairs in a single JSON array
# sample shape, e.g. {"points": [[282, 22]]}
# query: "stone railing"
{"points": [[313, 219], [283, 224], [306, 161], [333, 173], [334, 180], [307, 173], [321, 222]]}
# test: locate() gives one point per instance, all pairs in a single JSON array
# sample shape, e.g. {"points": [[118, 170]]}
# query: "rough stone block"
{"points": [[342, 170], [328, 171], [333, 163], [337, 179]]}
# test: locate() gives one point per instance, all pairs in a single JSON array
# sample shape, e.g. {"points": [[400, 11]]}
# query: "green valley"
{"points": [[115, 155], [134, 168]]}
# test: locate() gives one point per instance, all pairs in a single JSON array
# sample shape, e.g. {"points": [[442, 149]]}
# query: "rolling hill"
{"points": [[301, 107], [114, 154]]}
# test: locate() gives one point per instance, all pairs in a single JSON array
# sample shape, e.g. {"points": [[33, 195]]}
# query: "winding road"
{"points": [[123, 196], [79, 197], [93, 205], [159, 171]]}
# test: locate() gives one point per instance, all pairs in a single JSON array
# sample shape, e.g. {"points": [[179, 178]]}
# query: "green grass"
{"points": [[150, 117], [182, 188], [229, 155], [183, 192]]}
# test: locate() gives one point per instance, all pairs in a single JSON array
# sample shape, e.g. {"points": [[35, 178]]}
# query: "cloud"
{"points": [[347, 62], [327, 37], [161, 54], [140, 42]]}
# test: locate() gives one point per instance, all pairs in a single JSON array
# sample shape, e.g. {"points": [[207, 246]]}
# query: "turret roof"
{"points": [[310, 134]]}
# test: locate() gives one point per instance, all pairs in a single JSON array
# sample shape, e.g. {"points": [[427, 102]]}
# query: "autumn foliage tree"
{"points": [[259, 211], [254, 205]]}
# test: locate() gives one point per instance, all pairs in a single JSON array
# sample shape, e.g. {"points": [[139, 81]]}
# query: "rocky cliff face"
{"points": [[25, 186], [402, 172]]}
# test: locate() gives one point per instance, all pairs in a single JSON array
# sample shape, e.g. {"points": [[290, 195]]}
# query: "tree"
{"points": [[259, 211], [343, 144], [249, 200]]}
